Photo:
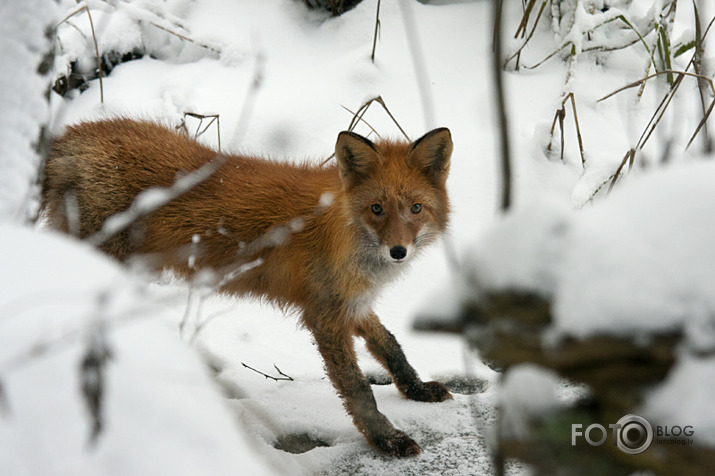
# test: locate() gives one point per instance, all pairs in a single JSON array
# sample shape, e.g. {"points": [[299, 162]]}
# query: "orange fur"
{"points": [[324, 239]]}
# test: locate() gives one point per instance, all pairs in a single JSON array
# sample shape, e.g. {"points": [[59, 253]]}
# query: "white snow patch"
{"points": [[685, 398], [527, 392], [523, 250], [162, 412], [642, 260], [25, 109]]}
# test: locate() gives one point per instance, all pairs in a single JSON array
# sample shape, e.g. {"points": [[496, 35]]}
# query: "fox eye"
{"points": [[416, 208], [376, 208]]}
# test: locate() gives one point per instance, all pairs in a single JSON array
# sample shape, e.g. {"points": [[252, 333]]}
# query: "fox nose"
{"points": [[398, 252]]}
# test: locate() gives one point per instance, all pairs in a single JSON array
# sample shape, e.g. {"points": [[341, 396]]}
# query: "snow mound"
{"points": [[162, 412], [640, 262], [643, 260], [25, 110]]}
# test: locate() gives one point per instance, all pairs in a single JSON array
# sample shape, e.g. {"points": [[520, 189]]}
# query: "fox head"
{"points": [[395, 191]]}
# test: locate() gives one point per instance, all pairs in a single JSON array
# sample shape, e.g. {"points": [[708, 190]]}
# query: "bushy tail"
{"points": [[59, 201]]}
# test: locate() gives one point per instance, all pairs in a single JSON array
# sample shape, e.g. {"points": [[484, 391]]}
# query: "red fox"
{"points": [[323, 240]]}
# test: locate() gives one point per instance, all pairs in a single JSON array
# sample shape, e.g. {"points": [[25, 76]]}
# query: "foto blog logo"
{"points": [[632, 434]]}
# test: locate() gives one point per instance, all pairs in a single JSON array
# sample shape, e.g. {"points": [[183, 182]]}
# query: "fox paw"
{"points": [[429, 392], [396, 444]]}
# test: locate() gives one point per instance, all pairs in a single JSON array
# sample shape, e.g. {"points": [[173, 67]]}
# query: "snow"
{"points": [[524, 250], [636, 260], [636, 265], [163, 414], [25, 109], [639, 261], [642, 260], [685, 397], [527, 392]]}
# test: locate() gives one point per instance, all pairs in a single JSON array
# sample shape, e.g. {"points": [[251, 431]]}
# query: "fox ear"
{"points": [[356, 157], [432, 153]]}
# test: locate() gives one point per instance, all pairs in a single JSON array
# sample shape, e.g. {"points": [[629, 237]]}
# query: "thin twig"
{"points": [[697, 63], [96, 48], [659, 73], [629, 158], [213, 49], [381, 101], [187, 311], [199, 132], [200, 326], [377, 31], [517, 53], [355, 114], [558, 117], [665, 102], [358, 116], [659, 112], [282, 375], [525, 19], [639, 38], [142, 15], [708, 146], [578, 129]]}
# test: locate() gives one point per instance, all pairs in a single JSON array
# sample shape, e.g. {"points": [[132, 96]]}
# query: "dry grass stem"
{"points": [[559, 117], [212, 118], [659, 73], [377, 31], [629, 159], [85, 8], [661, 109], [213, 49], [358, 117], [522, 29]]}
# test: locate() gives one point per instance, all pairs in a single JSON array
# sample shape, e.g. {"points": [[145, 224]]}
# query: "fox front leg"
{"points": [[340, 359], [385, 348]]}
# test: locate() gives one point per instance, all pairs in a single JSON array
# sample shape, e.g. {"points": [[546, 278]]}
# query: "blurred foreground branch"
{"points": [[511, 327]]}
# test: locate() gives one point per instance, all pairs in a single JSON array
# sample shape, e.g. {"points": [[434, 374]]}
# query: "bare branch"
{"points": [[282, 376]]}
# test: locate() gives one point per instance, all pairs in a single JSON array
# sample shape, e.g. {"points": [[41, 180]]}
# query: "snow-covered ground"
{"points": [[278, 76]]}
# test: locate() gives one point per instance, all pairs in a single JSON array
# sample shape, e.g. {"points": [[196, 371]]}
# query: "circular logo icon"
{"points": [[634, 434]]}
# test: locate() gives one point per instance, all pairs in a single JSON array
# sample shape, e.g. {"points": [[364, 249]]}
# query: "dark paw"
{"points": [[396, 444], [436, 392], [429, 392]]}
